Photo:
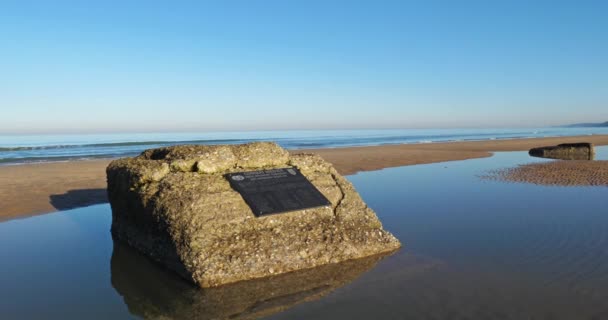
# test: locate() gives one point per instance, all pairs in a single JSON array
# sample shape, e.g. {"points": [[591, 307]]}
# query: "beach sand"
{"points": [[557, 173], [32, 189]]}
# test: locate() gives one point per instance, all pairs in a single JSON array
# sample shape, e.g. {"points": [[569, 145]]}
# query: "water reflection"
{"points": [[590, 156], [152, 292]]}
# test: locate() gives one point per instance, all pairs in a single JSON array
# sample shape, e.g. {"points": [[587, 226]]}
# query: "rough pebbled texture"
{"points": [[174, 205], [566, 151]]}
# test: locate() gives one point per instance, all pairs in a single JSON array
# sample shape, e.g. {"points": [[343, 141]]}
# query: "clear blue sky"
{"points": [[225, 65]]}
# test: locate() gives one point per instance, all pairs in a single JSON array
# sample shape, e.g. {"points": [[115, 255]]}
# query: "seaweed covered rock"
{"points": [[566, 151], [176, 206]]}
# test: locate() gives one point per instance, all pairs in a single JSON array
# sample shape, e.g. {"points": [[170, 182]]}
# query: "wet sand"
{"points": [[32, 189], [557, 173]]}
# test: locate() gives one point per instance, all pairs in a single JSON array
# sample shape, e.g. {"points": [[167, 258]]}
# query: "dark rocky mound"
{"points": [[566, 151]]}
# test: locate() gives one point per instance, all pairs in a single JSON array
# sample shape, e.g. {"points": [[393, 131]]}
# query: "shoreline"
{"points": [[39, 188], [296, 150]]}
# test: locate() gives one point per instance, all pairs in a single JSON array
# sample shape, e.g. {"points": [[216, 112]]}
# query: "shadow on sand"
{"points": [[78, 198]]}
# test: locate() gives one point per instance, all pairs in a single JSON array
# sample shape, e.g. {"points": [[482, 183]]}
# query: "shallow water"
{"points": [[473, 249]]}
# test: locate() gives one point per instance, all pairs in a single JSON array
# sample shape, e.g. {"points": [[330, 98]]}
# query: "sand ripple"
{"points": [[558, 173]]}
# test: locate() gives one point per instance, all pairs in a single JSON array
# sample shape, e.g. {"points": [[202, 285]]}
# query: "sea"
{"points": [[19, 149]]}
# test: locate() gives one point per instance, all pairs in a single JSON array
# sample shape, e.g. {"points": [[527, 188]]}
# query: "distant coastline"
{"points": [[61, 148], [588, 125]]}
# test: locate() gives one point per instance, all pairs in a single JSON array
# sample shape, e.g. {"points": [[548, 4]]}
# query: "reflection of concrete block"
{"points": [[566, 151], [153, 293], [175, 205]]}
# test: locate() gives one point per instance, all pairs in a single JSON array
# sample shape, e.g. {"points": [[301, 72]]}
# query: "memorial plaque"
{"points": [[276, 190]]}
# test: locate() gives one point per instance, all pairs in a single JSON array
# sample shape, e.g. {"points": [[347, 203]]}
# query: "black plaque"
{"points": [[276, 190]]}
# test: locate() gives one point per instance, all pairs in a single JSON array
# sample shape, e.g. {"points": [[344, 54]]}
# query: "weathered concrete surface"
{"points": [[566, 151], [151, 292], [174, 205]]}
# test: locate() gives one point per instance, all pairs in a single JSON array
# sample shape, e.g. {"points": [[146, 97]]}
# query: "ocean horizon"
{"points": [[21, 149]]}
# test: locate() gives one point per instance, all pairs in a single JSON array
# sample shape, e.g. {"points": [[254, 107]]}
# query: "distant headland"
{"points": [[587, 125]]}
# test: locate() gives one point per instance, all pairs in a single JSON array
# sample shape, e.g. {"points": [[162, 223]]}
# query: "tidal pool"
{"points": [[473, 249]]}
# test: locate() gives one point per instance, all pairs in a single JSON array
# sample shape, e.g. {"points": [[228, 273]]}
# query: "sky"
{"points": [[129, 66]]}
